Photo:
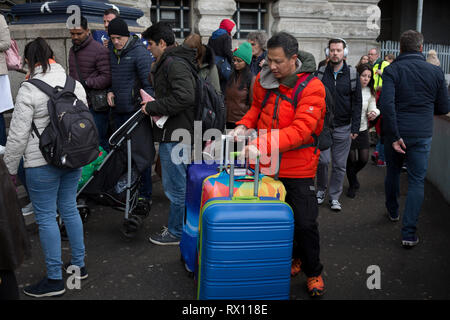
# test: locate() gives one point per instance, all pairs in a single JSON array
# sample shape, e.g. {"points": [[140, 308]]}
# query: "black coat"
{"points": [[221, 45], [130, 71], [14, 242], [174, 85], [347, 104]]}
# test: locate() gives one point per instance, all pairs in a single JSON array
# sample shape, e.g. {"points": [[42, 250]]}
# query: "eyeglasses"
{"points": [[237, 60]]}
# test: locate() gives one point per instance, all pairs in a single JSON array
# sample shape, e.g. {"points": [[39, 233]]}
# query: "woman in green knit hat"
{"points": [[239, 88]]}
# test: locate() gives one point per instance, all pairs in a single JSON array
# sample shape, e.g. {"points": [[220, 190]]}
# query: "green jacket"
{"points": [[174, 86]]}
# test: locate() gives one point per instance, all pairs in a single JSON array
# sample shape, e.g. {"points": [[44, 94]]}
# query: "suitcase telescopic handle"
{"points": [[234, 155]]}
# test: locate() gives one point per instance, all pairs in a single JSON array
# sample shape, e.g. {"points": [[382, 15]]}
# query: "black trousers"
{"points": [[9, 289], [301, 196]]}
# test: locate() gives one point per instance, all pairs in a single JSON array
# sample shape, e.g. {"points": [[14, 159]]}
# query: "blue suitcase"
{"points": [[245, 247], [196, 173]]}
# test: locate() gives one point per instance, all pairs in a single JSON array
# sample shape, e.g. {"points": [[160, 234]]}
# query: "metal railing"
{"points": [[443, 52]]}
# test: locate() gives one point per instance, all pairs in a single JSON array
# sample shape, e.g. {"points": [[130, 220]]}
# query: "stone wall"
{"points": [[312, 22]]}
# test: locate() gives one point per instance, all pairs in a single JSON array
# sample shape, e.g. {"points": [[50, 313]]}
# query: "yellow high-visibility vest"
{"points": [[377, 79]]}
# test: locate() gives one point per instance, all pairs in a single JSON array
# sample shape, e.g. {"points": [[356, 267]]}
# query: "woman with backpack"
{"points": [[205, 60], [50, 188], [221, 43], [359, 149], [239, 88]]}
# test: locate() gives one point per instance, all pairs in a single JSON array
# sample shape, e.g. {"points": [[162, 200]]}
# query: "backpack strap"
{"points": [[321, 72], [69, 86], [301, 84], [353, 78], [43, 86]]}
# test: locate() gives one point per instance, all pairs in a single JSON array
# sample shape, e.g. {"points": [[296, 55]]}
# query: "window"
{"points": [[175, 12], [249, 16]]}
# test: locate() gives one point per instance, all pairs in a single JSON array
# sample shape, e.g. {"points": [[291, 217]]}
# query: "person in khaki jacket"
{"points": [[6, 102]]}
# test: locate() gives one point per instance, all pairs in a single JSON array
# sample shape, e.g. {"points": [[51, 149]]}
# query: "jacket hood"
{"points": [[219, 32], [180, 51], [308, 62]]}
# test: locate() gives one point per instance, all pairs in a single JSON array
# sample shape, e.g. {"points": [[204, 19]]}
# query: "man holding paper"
{"points": [[174, 85]]}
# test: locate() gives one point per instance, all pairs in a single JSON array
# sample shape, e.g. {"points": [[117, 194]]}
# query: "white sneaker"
{"points": [[27, 210], [2, 149], [335, 205], [320, 197]]}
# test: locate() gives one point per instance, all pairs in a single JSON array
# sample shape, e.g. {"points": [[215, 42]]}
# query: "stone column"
{"points": [[210, 13], [307, 20], [314, 22]]}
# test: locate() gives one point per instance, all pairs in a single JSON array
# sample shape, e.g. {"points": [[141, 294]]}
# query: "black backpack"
{"points": [[71, 139], [210, 105]]}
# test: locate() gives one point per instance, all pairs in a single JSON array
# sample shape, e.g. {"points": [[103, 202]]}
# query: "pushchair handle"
{"points": [[127, 127]]}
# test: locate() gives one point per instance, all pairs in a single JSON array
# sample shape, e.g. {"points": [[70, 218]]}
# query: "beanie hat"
{"points": [[227, 24], [244, 52], [119, 27]]}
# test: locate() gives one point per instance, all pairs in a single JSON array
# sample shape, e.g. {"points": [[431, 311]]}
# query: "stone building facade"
{"points": [[312, 22]]}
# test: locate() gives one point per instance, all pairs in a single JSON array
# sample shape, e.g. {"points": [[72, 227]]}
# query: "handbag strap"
{"points": [[80, 76]]}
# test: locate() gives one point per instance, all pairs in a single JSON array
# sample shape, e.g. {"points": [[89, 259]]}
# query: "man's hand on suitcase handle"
{"points": [[249, 152]]}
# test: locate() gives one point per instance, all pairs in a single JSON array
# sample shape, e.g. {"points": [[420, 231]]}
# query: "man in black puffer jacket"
{"points": [[130, 68], [175, 85]]}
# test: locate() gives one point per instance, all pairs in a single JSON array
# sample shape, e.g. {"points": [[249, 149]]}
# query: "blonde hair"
{"points": [[433, 58]]}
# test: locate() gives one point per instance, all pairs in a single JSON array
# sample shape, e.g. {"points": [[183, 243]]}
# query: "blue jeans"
{"points": [[380, 149], [102, 122], [146, 189], [416, 157], [174, 184], [51, 189], [2, 130]]}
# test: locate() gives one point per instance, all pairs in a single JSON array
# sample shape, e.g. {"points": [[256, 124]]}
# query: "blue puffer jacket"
{"points": [[130, 70], [413, 91]]}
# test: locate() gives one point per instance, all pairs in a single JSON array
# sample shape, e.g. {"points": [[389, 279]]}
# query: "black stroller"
{"points": [[116, 181]]}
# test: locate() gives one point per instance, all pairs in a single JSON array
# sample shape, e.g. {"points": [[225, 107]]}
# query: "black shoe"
{"points": [[83, 271], [410, 242], [46, 288], [351, 192], [393, 217], [164, 238]]}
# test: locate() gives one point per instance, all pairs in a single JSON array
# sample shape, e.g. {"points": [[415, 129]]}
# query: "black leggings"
{"points": [[356, 161]]}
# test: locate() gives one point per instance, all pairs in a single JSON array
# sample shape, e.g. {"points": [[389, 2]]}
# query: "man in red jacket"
{"points": [[289, 123], [89, 64]]}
